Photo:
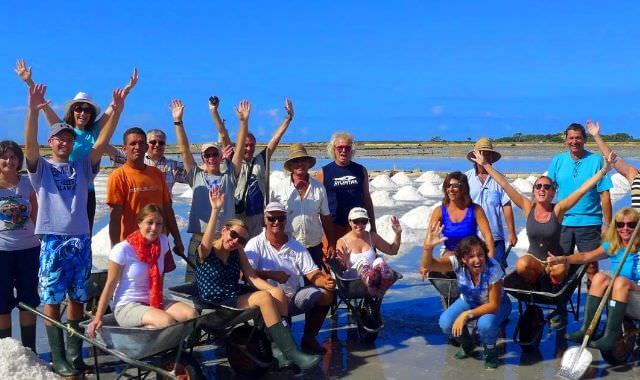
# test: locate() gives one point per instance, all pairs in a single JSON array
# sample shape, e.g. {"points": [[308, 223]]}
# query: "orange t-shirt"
{"points": [[133, 189]]}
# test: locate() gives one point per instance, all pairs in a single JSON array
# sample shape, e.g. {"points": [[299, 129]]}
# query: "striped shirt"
{"points": [[635, 192]]}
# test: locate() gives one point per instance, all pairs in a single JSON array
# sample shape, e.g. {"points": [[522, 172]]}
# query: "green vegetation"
{"points": [[559, 137]]}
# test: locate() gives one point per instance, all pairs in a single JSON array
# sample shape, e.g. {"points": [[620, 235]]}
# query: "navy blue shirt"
{"points": [[345, 189], [217, 282]]}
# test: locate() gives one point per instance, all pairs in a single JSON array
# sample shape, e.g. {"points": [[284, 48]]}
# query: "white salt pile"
{"points": [[382, 181], [101, 243], [428, 189], [407, 193], [401, 179], [383, 227], [532, 179], [275, 178], [430, 176], [187, 193], [418, 218], [522, 185], [18, 362], [620, 183], [381, 198], [522, 245], [179, 189]]}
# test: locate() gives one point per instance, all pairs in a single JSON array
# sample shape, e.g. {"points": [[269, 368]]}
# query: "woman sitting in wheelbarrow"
{"points": [[218, 271], [134, 279], [616, 239], [482, 297]]}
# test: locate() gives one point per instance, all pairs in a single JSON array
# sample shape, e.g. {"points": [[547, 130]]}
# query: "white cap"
{"points": [[358, 213], [275, 206]]}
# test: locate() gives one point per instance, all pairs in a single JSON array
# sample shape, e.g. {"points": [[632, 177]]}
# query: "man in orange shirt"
{"points": [[135, 185]]}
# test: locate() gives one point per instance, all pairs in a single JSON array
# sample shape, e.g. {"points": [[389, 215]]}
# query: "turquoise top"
{"points": [[83, 144], [631, 267]]}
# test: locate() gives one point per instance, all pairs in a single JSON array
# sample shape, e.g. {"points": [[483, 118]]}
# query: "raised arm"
{"points": [[628, 171], [31, 147], [177, 110], [133, 80], [242, 111], [428, 262], [383, 245], [223, 133], [216, 198], [573, 198], [517, 198], [102, 142], [275, 140]]}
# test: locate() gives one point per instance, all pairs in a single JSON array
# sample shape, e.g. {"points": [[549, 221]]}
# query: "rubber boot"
{"points": [[613, 330], [282, 360], [490, 357], [28, 337], [56, 343], [313, 321], [5, 333], [590, 307], [74, 347], [466, 345], [284, 340]]}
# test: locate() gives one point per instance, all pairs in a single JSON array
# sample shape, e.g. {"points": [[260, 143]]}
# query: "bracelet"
{"points": [[177, 122]]}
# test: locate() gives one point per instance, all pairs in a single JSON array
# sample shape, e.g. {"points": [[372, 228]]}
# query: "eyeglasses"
{"points": [[236, 236], [539, 186], [346, 148], [360, 222], [157, 142], [211, 155], [628, 224], [67, 140], [80, 108], [455, 185], [280, 219]]}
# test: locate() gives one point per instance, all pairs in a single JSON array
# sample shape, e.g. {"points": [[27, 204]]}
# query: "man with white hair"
{"points": [[283, 261]]}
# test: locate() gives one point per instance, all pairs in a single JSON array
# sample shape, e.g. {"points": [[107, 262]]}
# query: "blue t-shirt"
{"points": [[631, 267], [477, 295], [570, 174], [84, 141], [491, 197]]}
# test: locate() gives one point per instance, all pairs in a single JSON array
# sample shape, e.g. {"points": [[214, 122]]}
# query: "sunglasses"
{"points": [[455, 185], [628, 224], [539, 186], [211, 155], [236, 236], [157, 142], [345, 148], [80, 108], [280, 219], [360, 222]]}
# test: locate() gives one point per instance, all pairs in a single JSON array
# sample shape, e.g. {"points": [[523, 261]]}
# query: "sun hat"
{"points": [[81, 97], [275, 206], [484, 144], [207, 145], [60, 127], [298, 150], [358, 213]]}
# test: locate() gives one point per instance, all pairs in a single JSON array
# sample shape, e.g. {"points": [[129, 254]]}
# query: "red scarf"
{"points": [[149, 253]]}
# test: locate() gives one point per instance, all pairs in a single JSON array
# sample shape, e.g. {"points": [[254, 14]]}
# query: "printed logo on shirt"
{"points": [[346, 180], [144, 189], [64, 177], [13, 213]]}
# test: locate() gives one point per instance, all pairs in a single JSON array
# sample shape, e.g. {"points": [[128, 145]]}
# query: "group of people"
{"points": [[279, 238]]}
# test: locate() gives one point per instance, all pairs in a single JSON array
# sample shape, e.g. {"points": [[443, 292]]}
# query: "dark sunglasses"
{"points": [[346, 148], [280, 219], [157, 142], [236, 236], [86, 108], [539, 186], [628, 224], [211, 155], [360, 221], [455, 185]]}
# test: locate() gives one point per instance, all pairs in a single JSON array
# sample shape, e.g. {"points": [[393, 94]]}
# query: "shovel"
{"points": [[576, 360]]}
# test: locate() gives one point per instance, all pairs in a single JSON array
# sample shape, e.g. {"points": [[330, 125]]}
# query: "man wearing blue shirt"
{"points": [[582, 224], [496, 204]]}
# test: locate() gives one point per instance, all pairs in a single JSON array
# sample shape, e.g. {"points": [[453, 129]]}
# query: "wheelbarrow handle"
{"points": [[99, 344]]}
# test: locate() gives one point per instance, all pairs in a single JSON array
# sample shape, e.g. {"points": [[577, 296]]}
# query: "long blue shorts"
{"points": [[65, 267]]}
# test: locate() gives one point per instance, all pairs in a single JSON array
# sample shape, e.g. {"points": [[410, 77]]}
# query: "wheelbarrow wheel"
{"points": [[187, 368], [623, 347], [249, 351], [366, 336]]}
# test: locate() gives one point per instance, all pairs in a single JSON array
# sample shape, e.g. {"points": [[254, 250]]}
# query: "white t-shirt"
{"points": [[133, 285], [292, 258]]}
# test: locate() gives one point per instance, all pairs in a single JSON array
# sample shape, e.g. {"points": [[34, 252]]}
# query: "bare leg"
{"points": [[529, 268], [265, 302], [599, 284], [181, 311]]}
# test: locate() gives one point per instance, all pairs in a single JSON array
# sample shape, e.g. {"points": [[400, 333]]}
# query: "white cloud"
{"points": [[437, 110]]}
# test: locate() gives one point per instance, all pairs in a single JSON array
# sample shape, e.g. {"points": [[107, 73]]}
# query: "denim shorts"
{"points": [[65, 267], [19, 271], [586, 238]]}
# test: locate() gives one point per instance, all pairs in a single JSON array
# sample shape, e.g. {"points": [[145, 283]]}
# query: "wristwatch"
{"points": [[470, 315]]}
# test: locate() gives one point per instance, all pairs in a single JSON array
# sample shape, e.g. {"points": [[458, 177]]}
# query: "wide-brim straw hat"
{"points": [[298, 150], [82, 97], [486, 145]]}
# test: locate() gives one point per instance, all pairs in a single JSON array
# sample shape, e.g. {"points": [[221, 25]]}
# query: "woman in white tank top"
{"points": [[358, 251]]}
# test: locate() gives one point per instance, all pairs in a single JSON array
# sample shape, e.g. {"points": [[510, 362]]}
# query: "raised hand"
{"points": [[227, 152], [243, 109], [216, 197], [214, 103], [593, 128], [36, 97], [177, 109], [133, 80], [609, 161], [434, 236], [343, 256], [118, 99], [23, 71], [395, 225], [479, 158], [288, 107]]}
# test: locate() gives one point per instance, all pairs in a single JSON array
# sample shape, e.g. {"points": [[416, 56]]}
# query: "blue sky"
{"points": [[402, 70]]}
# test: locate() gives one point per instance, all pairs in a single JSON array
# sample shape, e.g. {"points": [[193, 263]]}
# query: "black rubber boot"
{"points": [[56, 343], [28, 337], [313, 321], [466, 345], [74, 347], [282, 337], [5, 333], [590, 307], [613, 330]]}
